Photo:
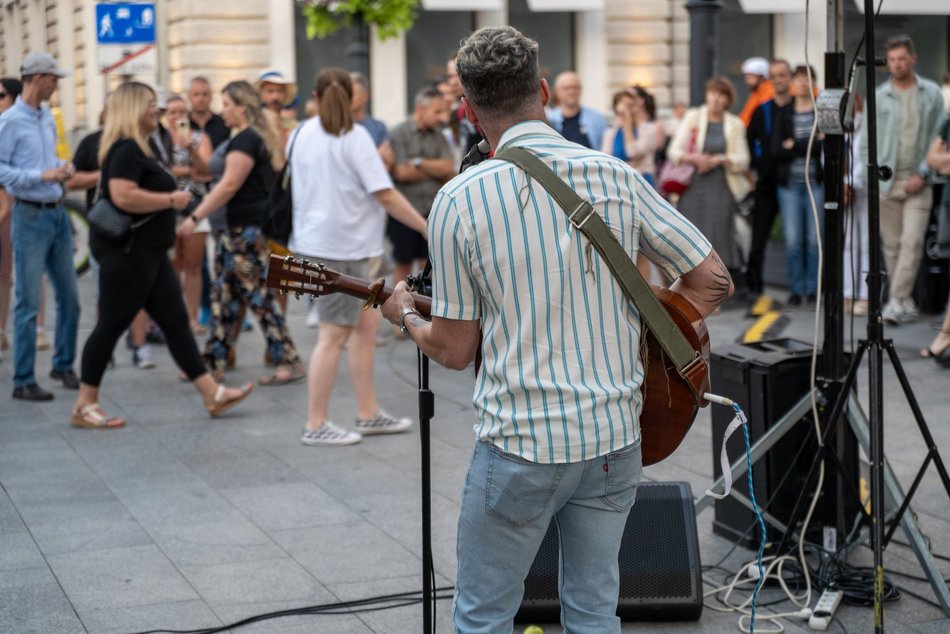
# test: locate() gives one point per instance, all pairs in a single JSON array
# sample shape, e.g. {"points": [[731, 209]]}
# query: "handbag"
{"points": [[675, 178], [109, 221], [279, 211]]}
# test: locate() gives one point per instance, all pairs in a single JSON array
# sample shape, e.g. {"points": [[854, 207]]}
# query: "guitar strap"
{"points": [[689, 363]]}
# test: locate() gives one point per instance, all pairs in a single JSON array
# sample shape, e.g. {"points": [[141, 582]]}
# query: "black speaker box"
{"points": [[660, 570], [766, 379]]}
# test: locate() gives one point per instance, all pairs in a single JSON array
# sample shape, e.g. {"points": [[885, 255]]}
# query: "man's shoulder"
{"points": [[931, 87], [403, 129], [593, 112]]}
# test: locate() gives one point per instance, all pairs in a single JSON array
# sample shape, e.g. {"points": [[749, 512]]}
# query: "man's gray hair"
{"points": [[499, 70], [426, 95], [358, 78]]}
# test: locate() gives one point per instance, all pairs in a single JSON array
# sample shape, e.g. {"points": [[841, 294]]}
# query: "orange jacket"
{"points": [[759, 96]]}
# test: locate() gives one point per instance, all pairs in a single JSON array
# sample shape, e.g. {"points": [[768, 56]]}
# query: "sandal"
{"points": [[90, 416], [285, 374], [943, 353], [220, 404]]}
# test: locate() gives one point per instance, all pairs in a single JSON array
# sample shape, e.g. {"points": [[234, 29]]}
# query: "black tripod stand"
{"points": [[837, 385]]}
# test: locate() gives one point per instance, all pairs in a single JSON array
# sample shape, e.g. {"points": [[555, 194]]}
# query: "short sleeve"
{"points": [[247, 142], [667, 238], [85, 158], [399, 140], [366, 162], [454, 290], [126, 160]]}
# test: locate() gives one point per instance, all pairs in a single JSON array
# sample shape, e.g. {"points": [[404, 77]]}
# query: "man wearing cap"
{"points": [[755, 71], [42, 237], [276, 93]]}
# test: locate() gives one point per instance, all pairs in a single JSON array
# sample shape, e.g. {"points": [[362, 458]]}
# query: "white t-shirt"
{"points": [[333, 180]]}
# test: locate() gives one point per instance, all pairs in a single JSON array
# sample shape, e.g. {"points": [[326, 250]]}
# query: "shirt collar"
{"points": [[533, 127]]}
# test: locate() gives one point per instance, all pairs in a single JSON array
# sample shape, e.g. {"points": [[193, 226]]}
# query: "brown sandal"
{"points": [[220, 404], [90, 416]]}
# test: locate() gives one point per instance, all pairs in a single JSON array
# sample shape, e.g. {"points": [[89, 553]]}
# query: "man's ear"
{"points": [[545, 92], [469, 111]]}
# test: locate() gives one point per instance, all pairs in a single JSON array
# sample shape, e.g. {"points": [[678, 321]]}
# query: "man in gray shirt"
{"points": [[909, 113], [423, 163]]}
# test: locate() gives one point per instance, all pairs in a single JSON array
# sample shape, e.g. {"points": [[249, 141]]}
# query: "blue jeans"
{"points": [[508, 504], [801, 241], [42, 239]]}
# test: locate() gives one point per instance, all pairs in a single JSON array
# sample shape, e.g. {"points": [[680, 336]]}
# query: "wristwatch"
{"points": [[417, 162], [405, 313]]}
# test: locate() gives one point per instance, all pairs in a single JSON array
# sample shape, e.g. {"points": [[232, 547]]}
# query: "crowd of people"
{"points": [[200, 178], [556, 404]]}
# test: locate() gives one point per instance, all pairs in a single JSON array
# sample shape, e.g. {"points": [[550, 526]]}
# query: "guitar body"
{"points": [[669, 403]]}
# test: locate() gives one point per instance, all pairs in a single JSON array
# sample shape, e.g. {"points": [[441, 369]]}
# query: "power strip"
{"points": [[825, 609]]}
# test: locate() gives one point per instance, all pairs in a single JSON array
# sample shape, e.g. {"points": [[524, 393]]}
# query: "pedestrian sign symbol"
{"points": [[125, 23]]}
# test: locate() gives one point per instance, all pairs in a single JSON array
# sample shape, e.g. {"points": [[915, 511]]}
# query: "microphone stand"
{"points": [[426, 413]]}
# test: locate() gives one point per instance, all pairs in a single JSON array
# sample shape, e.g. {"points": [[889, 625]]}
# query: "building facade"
{"points": [[611, 43]]}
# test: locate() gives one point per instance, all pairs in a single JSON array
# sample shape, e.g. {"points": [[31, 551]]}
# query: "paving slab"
{"points": [[181, 522]]}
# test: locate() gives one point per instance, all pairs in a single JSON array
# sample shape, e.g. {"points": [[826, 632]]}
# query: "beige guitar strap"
{"points": [[688, 362]]}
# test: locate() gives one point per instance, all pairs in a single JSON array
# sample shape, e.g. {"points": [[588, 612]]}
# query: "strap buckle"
{"points": [[579, 224]]}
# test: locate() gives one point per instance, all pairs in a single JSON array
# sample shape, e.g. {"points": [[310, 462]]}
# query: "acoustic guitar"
{"points": [[670, 402]]}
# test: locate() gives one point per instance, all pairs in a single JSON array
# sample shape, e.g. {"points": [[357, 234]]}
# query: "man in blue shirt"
{"points": [[574, 121], [42, 237]]}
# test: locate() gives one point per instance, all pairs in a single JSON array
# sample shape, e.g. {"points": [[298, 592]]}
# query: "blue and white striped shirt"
{"points": [[561, 368]]}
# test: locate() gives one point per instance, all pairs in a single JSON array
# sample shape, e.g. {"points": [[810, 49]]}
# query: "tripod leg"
{"points": [[859, 424], [918, 415]]}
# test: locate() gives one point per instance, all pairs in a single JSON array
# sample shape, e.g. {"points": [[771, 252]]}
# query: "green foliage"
{"points": [[390, 17]]}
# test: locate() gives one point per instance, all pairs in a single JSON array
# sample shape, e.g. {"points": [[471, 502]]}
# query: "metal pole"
{"points": [[703, 46], [875, 324], [357, 51]]}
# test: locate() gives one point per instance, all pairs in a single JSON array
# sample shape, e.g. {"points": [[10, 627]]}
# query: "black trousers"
{"points": [[129, 282], [764, 211]]}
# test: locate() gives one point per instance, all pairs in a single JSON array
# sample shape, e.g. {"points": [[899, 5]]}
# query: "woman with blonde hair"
{"points": [[252, 158], [136, 274]]}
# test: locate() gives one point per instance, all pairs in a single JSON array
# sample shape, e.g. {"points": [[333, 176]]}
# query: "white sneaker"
{"points": [[382, 423], [909, 312], [142, 357], [892, 312], [329, 434], [313, 319]]}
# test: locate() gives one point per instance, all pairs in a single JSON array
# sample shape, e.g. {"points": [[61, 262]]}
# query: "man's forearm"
{"points": [[706, 286]]}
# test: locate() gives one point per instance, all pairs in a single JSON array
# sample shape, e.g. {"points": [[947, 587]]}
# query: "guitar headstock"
{"points": [[288, 274]]}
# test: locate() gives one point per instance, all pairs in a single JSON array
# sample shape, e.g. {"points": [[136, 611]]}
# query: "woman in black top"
{"points": [[137, 274], [253, 154]]}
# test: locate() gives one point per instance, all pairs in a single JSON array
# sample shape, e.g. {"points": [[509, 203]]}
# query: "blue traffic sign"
{"points": [[125, 23]]}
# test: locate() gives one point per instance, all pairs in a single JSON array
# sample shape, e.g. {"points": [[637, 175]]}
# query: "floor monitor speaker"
{"points": [[660, 570]]}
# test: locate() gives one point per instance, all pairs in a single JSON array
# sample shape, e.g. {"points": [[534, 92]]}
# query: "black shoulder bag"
{"points": [[279, 211]]}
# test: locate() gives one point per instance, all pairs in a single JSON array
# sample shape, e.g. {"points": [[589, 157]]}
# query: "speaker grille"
{"points": [[660, 570], [653, 562]]}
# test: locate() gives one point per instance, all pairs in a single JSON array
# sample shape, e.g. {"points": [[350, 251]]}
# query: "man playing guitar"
{"points": [[558, 396]]}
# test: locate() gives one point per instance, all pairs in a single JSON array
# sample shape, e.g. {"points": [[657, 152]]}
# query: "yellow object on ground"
{"points": [[533, 629]]}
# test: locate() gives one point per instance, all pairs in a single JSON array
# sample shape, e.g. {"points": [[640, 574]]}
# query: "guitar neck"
{"points": [[362, 289]]}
